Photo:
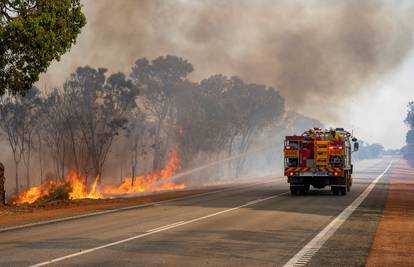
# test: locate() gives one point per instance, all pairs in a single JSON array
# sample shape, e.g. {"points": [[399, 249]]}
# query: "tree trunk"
{"points": [[243, 148], [230, 163], [156, 163], [133, 174], [2, 186], [40, 158], [27, 177], [16, 166], [27, 163]]}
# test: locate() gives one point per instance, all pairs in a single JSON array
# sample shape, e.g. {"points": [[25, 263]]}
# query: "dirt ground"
{"points": [[394, 241], [21, 214]]}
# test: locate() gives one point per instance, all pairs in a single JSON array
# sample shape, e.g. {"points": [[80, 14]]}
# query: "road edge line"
{"points": [[304, 255]]}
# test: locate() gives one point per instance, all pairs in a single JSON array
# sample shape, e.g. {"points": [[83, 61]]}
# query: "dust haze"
{"points": [[313, 52]]}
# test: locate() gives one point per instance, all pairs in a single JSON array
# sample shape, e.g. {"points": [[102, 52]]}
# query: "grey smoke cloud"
{"points": [[314, 52]]}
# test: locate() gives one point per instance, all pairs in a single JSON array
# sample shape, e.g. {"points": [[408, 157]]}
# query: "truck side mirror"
{"points": [[356, 146]]}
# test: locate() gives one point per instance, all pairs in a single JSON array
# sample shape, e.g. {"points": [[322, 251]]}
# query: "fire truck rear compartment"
{"points": [[319, 158]]}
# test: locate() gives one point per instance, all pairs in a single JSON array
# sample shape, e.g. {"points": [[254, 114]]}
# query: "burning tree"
{"points": [[32, 34], [137, 132], [159, 82], [184, 121], [98, 109]]}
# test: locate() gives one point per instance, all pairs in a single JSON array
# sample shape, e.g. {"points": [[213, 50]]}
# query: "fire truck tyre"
{"points": [[343, 191], [348, 188], [293, 191], [302, 191], [335, 191]]}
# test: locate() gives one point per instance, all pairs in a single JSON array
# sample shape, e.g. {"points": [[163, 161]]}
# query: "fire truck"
{"points": [[320, 158]]}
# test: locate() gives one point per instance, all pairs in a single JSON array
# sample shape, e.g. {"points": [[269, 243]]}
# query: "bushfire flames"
{"points": [[150, 182]]}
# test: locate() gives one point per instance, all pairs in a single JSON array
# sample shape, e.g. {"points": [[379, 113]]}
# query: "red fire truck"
{"points": [[319, 158]]}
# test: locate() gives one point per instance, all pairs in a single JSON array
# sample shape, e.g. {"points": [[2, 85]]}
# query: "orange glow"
{"points": [[76, 183], [78, 189], [150, 182], [33, 193]]}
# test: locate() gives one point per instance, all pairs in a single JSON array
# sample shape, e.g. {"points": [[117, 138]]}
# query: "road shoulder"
{"points": [[394, 240], [351, 243], [11, 216]]}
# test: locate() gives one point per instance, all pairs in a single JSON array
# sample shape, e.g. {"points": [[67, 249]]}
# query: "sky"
{"points": [[346, 63], [377, 115]]}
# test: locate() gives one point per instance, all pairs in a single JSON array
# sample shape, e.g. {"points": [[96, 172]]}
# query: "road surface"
{"points": [[258, 224]]}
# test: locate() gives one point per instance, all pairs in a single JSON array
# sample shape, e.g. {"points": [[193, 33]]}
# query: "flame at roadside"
{"points": [[74, 184], [78, 188], [150, 182], [34, 193]]}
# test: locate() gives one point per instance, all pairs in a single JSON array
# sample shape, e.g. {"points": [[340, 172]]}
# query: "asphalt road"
{"points": [[251, 225]]}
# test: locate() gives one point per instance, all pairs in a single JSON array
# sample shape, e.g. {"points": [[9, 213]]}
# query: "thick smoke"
{"points": [[314, 52]]}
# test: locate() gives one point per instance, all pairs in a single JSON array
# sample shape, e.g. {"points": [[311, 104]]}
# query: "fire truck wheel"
{"points": [[348, 188], [343, 191], [293, 191], [335, 191]]}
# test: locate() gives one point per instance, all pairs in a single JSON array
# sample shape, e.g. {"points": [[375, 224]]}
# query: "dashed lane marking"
{"points": [[154, 231]]}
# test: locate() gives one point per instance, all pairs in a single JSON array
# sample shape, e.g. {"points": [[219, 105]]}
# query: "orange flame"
{"points": [[76, 184], [80, 190], [34, 193], [151, 182]]}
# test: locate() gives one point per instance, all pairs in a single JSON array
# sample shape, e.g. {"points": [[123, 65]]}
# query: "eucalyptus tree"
{"points": [[30, 105], [101, 111], [32, 34], [18, 121], [11, 115], [159, 81]]}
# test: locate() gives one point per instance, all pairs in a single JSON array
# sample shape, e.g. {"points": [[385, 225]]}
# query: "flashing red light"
{"points": [[331, 147], [340, 147], [291, 173], [335, 174]]}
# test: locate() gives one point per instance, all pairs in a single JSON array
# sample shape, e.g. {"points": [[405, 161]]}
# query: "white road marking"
{"points": [[165, 227], [306, 253], [17, 227], [154, 231]]}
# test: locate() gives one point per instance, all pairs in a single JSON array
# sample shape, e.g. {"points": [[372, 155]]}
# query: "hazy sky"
{"points": [[346, 63], [377, 114]]}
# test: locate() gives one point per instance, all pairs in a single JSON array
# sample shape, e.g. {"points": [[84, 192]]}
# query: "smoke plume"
{"points": [[315, 53]]}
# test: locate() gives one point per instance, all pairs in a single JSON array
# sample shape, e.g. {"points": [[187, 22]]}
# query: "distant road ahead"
{"points": [[256, 225]]}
